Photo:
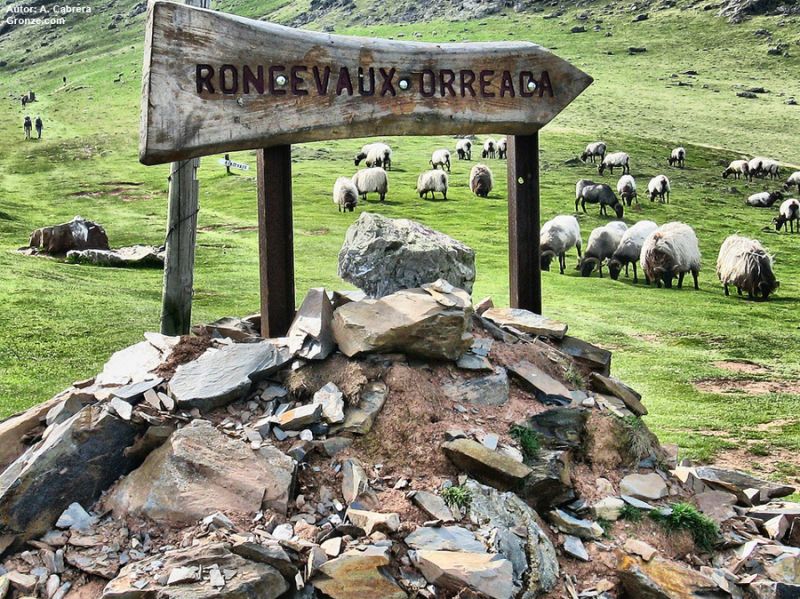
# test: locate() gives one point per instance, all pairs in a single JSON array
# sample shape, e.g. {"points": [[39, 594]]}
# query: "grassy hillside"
{"points": [[60, 322]]}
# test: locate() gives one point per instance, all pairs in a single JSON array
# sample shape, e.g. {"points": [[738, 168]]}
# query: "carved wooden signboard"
{"points": [[215, 82]]}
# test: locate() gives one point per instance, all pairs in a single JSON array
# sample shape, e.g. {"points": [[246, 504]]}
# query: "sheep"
{"points": [[502, 148], [678, 156], [464, 149], [345, 194], [432, 181], [761, 167], [745, 264], [668, 251], [599, 194], [629, 249], [489, 148], [597, 148], [556, 237], [788, 213], [603, 242], [764, 199], [376, 154], [579, 187], [615, 160], [440, 158], [626, 188], [737, 168], [481, 181], [371, 180], [659, 187], [794, 179]]}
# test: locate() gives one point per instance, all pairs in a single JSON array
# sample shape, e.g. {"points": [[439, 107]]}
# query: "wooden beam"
{"points": [[524, 269], [176, 301], [275, 239]]}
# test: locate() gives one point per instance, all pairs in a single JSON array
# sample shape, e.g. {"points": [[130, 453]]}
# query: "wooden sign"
{"points": [[231, 164], [215, 82]]}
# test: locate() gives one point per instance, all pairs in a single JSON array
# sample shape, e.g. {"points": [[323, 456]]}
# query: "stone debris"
{"points": [[523, 320], [332, 401], [608, 508], [433, 505], [446, 538], [371, 522], [359, 419], [574, 547], [583, 529], [310, 335], [491, 390], [640, 548], [358, 574], [547, 389], [76, 518]]}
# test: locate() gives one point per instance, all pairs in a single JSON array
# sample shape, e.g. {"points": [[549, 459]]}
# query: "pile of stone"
{"points": [[226, 465]]}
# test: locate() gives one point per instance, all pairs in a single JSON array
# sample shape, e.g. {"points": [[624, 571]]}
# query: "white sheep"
{"points": [[603, 242], [794, 179], [432, 182], [502, 148], [615, 160], [441, 158], [630, 248], [371, 180], [762, 167], [556, 237], [594, 149], [669, 251], [345, 194], [375, 154], [678, 156], [579, 188], [658, 187], [489, 148], [764, 199], [464, 149], [481, 180], [789, 212], [737, 168], [626, 188], [745, 264]]}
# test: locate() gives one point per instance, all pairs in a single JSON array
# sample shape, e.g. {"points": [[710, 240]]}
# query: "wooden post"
{"points": [[276, 239], [524, 269]]}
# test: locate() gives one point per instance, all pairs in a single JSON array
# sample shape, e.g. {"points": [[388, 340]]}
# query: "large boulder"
{"points": [[77, 460], [431, 322], [199, 471], [487, 573], [78, 234], [664, 579], [383, 255], [358, 574]]}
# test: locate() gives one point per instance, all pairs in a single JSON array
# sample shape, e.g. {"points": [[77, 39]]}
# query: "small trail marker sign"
{"points": [[231, 164], [215, 82]]}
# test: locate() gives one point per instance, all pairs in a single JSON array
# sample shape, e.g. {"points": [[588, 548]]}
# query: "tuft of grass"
{"points": [[759, 449], [528, 441], [606, 525], [574, 378], [457, 497], [631, 513], [684, 516]]}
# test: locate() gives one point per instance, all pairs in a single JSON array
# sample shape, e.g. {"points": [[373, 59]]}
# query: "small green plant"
{"points": [[574, 378], [759, 449], [638, 438], [684, 516], [457, 497], [528, 441], [631, 513], [606, 525]]}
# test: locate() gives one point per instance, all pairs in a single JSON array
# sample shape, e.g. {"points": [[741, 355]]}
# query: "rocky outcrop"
{"points": [[136, 256], [664, 579], [78, 234]]}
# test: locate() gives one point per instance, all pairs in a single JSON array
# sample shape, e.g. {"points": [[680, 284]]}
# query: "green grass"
{"points": [[683, 516], [528, 440], [60, 322], [457, 497], [630, 513]]}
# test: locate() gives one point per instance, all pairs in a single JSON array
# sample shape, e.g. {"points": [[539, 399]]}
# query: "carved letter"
{"points": [[467, 79], [387, 87], [506, 85], [257, 81], [344, 82], [203, 74], [361, 89], [297, 81], [322, 84], [432, 91], [223, 84], [446, 78], [272, 89], [484, 83], [525, 77], [544, 83]]}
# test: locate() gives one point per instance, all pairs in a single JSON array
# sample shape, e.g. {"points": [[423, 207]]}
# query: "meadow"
{"points": [[681, 348]]}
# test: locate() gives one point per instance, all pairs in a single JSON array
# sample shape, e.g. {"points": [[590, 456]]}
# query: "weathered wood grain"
{"points": [[187, 111]]}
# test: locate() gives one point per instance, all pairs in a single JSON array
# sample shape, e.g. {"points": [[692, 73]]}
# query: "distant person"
{"points": [[24, 100], [27, 126], [38, 124], [65, 80]]}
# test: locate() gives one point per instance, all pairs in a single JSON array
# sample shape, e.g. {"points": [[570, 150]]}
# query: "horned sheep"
{"points": [[745, 264], [464, 149], [481, 180], [594, 149], [615, 160], [737, 168], [678, 156], [789, 213], [669, 251], [556, 237], [372, 180], [440, 158], [630, 248], [603, 242], [658, 187], [432, 182], [764, 199], [626, 188], [599, 194], [345, 194]]}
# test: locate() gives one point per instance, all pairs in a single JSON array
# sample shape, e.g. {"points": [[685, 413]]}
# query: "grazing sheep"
{"points": [[794, 179], [615, 160], [432, 182], [659, 188], [579, 187], [764, 199], [597, 148], [737, 168], [371, 180], [762, 167], [440, 158], [668, 251], [789, 213], [626, 188], [502, 148], [556, 237], [745, 264], [599, 194], [603, 242], [481, 181], [489, 148], [375, 154], [345, 194], [678, 156], [464, 149], [630, 248]]}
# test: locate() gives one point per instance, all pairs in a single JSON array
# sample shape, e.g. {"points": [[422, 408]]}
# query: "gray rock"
{"points": [[359, 419], [471, 361], [560, 427], [644, 486], [615, 387], [736, 482], [486, 573], [76, 518], [221, 376], [608, 508], [357, 574], [355, 481], [134, 392], [637, 503], [491, 390], [310, 334], [547, 389], [383, 255], [584, 529], [659, 579], [230, 327], [78, 234], [489, 467], [588, 355], [298, 418], [121, 408], [446, 538], [549, 482], [433, 505], [332, 401], [717, 505], [526, 321], [574, 546], [272, 555], [14, 430], [133, 256]]}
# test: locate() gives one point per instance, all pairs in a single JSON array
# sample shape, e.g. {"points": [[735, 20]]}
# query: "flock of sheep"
{"points": [[671, 250]]}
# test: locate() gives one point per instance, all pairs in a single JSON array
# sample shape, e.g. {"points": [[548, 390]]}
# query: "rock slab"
{"points": [[526, 321], [487, 573], [487, 466]]}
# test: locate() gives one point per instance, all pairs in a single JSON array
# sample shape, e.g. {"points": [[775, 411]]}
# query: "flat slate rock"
{"points": [[526, 321], [737, 482], [357, 574], [491, 390], [445, 538], [584, 529], [560, 427], [665, 579], [486, 573], [487, 466], [632, 399], [591, 356], [574, 547], [310, 335], [644, 486], [130, 256], [472, 361], [359, 419], [433, 505]]}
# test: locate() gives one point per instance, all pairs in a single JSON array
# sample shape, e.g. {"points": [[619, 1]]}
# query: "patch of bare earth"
{"points": [[741, 366], [730, 385]]}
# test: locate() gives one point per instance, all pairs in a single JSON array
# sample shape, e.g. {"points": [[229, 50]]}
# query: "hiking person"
{"points": [[27, 126], [38, 124]]}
